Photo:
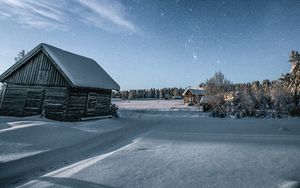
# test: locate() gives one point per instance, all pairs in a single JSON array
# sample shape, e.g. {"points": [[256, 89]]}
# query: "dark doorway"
{"points": [[33, 102], [91, 104]]}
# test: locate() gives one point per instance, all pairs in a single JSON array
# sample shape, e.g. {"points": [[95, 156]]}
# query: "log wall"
{"points": [[79, 104], [22, 100]]}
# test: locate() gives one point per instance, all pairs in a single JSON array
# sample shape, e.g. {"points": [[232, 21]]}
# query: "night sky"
{"points": [[144, 44]]}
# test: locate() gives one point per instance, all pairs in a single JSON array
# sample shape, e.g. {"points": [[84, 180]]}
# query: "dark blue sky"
{"points": [[145, 44]]}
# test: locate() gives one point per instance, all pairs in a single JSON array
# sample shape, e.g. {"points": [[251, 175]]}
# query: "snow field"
{"points": [[150, 147]]}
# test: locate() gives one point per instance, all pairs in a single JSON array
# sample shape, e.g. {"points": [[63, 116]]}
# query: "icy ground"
{"points": [[150, 151]]}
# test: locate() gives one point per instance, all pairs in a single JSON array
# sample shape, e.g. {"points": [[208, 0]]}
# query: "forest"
{"points": [[164, 93]]}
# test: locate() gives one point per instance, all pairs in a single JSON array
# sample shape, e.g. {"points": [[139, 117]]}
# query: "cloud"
{"points": [[32, 13], [61, 14], [105, 12]]}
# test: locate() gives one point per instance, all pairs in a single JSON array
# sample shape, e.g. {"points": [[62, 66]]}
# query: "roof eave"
{"points": [[87, 87]]}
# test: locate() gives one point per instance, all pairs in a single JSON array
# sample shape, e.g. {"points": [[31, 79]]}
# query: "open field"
{"points": [[150, 151], [166, 108], [160, 105]]}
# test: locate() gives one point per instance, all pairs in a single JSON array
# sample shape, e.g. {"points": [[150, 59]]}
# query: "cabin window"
{"points": [[91, 104]]}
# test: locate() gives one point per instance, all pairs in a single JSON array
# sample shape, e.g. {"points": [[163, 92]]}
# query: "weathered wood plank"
{"points": [[42, 98], [38, 70], [60, 103]]}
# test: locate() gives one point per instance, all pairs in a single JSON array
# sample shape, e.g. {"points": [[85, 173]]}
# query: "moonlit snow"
{"points": [[172, 148]]}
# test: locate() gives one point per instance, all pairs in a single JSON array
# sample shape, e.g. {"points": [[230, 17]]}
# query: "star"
{"points": [[194, 56]]}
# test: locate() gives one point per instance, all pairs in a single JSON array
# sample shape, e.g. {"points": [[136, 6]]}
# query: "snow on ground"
{"points": [[184, 152], [160, 105], [21, 137], [142, 150], [167, 108]]}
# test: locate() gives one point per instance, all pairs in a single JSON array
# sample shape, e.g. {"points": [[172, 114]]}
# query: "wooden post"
{"points": [[2, 95]]}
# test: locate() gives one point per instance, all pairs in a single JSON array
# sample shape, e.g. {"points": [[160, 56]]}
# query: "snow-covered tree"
{"points": [[294, 84], [217, 84], [295, 61]]}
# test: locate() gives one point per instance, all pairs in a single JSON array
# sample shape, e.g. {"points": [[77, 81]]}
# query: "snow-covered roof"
{"points": [[207, 99], [80, 71], [195, 91]]}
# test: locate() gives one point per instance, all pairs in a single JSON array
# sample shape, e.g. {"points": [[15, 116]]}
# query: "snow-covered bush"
{"points": [[219, 111], [281, 99], [294, 111], [218, 107], [114, 110]]}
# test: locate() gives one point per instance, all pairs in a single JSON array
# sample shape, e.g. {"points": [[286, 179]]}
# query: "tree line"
{"points": [[164, 93]]}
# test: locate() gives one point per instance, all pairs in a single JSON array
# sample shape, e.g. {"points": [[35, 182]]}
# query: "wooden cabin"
{"points": [[207, 102], [192, 96], [57, 84]]}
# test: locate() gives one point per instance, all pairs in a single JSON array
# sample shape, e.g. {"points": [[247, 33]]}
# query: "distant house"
{"points": [[207, 101], [192, 96], [58, 84]]}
